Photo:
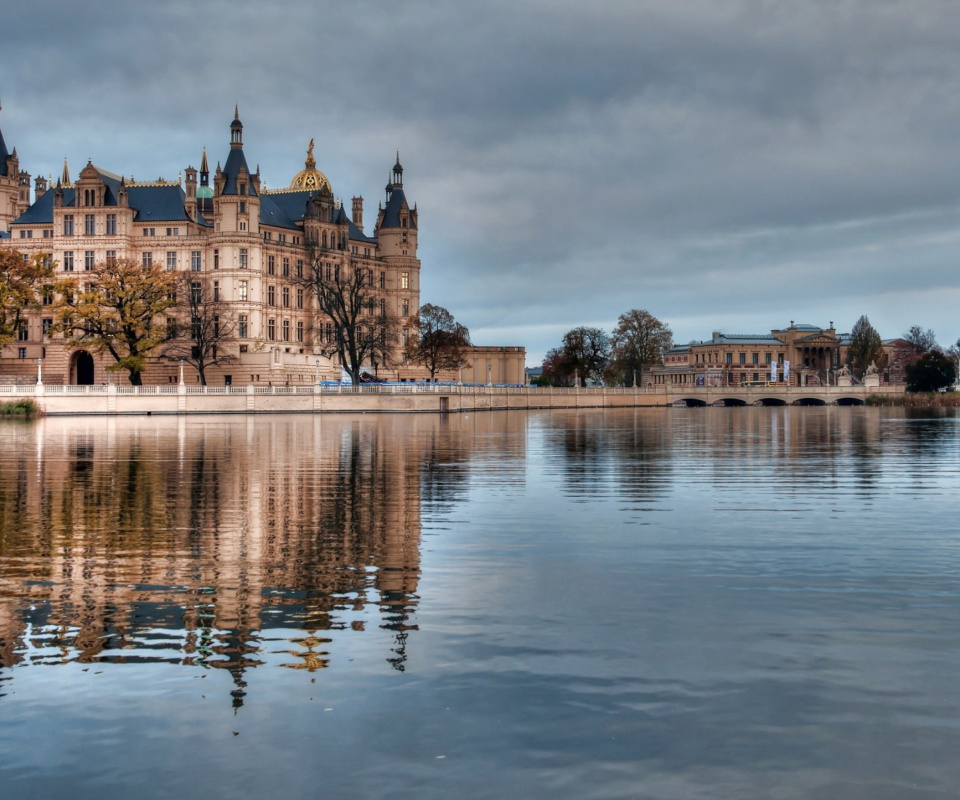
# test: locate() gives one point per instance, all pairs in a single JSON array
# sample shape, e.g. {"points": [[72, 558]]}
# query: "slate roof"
{"points": [[152, 203], [286, 209], [391, 214], [744, 338], [3, 156], [231, 169]]}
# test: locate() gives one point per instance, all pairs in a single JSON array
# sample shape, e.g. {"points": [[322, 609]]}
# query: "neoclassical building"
{"points": [[247, 245], [800, 355]]}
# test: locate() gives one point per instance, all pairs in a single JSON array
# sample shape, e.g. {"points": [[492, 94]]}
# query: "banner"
{"points": [[773, 371], [786, 371]]}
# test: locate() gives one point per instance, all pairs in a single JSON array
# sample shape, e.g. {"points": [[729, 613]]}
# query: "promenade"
{"points": [[410, 398]]}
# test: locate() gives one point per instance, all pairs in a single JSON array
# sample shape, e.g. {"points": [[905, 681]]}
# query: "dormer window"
{"points": [[241, 188]]}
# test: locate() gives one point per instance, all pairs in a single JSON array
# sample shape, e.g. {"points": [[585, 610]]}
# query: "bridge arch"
{"points": [[850, 401], [729, 402], [809, 401], [690, 402], [772, 401]]}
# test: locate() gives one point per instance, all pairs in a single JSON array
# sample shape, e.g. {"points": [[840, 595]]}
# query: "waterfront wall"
{"points": [[403, 398]]}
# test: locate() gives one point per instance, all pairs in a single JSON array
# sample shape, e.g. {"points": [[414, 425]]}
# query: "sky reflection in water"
{"points": [[651, 603]]}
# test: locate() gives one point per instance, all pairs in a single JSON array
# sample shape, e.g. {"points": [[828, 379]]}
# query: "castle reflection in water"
{"points": [[216, 542]]}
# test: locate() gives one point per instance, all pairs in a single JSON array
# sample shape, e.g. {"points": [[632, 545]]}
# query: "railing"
{"points": [[30, 390]]}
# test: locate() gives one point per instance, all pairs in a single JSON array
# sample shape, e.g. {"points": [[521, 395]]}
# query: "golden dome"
{"points": [[310, 177]]}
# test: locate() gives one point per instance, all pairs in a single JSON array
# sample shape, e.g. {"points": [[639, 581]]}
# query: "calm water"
{"points": [[682, 603]]}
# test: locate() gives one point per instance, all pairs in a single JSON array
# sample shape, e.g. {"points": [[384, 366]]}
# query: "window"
{"points": [[286, 330], [171, 328], [404, 337], [242, 290], [271, 265], [216, 327], [149, 231], [285, 294], [329, 328], [47, 295], [299, 330], [729, 357], [299, 298], [743, 358], [271, 330], [286, 267], [111, 224], [242, 326], [111, 257], [147, 259], [271, 296], [196, 292], [755, 358], [299, 267], [216, 259], [216, 291], [243, 206], [383, 307], [243, 258], [89, 225], [243, 226], [89, 259], [173, 231], [404, 280], [195, 328], [383, 280], [23, 333], [68, 261], [196, 261], [171, 261], [21, 352], [68, 224], [767, 359], [405, 307], [47, 233]]}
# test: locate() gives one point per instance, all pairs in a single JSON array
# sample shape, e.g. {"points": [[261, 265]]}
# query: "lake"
{"points": [[646, 603]]}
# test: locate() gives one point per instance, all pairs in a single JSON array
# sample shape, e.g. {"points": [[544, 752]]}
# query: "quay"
{"points": [[113, 399]]}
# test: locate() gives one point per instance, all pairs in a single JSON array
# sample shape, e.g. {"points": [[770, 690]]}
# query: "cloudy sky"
{"points": [[725, 164]]}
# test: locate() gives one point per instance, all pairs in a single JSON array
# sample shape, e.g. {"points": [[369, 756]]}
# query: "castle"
{"points": [[247, 244]]}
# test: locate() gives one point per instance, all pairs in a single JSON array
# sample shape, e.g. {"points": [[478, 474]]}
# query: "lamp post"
{"points": [[634, 379], [39, 372], [181, 372], [316, 372]]}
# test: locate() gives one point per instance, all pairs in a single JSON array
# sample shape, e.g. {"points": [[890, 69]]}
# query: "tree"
{"points": [[639, 340], [205, 327], [922, 341], [555, 371], [21, 284], [361, 330], [865, 347], [585, 351], [933, 371], [440, 342], [118, 309]]}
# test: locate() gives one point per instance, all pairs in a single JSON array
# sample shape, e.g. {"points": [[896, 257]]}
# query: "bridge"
{"points": [[775, 395]]}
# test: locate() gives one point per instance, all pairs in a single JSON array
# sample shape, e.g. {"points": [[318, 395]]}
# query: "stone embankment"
{"points": [[410, 398]]}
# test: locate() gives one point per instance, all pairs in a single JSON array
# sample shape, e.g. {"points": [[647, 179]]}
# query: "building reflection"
{"points": [[226, 543]]}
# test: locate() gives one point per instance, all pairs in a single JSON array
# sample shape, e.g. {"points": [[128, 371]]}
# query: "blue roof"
{"points": [[152, 203], [231, 170], [357, 235], [3, 155], [391, 214], [283, 209]]}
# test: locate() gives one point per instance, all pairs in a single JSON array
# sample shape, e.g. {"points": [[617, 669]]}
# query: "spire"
{"points": [[236, 129], [204, 166], [66, 172]]}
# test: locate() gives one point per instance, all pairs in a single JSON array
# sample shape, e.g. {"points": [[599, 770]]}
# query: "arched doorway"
{"points": [[83, 368]]}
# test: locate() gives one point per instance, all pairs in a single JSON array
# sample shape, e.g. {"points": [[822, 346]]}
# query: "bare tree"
{"points": [[440, 341], [360, 329], [203, 332], [922, 341], [586, 351]]}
